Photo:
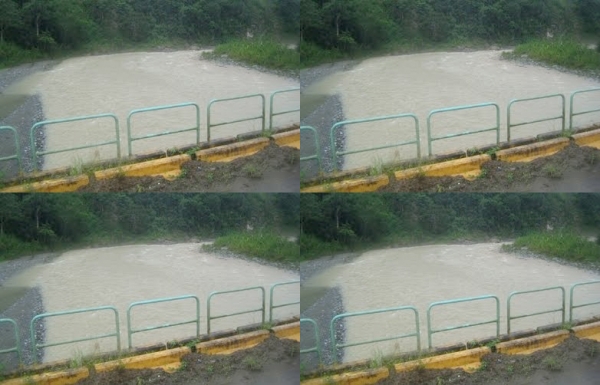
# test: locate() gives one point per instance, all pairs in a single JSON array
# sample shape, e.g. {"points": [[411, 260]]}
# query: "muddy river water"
{"points": [[121, 83], [119, 276], [420, 83], [419, 276]]}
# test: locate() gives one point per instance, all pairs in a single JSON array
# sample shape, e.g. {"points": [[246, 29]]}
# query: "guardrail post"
{"points": [[571, 304], [317, 347], [273, 114], [214, 101], [271, 306], [572, 113], [508, 311], [215, 293], [17, 155], [17, 348]]}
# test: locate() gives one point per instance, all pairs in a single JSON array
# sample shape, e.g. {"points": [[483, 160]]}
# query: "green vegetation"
{"points": [[262, 244], [32, 223], [263, 52], [564, 245], [567, 53], [333, 223], [334, 29], [34, 29]]}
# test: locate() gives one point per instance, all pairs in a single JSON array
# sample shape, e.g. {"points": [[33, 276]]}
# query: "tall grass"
{"points": [[264, 244], [12, 247], [564, 52], [12, 55], [564, 245], [263, 52]]}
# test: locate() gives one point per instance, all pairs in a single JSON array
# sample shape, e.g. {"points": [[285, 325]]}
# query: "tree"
{"points": [[9, 17]]}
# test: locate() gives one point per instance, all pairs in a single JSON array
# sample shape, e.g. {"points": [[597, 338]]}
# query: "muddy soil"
{"points": [[573, 362], [274, 169], [574, 169], [274, 362]]}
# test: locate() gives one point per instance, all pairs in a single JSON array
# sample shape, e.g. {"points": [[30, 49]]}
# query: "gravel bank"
{"points": [[22, 119], [22, 311], [322, 311]]}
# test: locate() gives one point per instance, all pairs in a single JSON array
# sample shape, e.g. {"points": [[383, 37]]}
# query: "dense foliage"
{"points": [[41, 26], [30, 222], [332, 222], [347, 25]]}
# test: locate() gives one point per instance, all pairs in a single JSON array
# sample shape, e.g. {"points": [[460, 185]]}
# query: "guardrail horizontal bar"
{"points": [[377, 340], [376, 148], [235, 121], [149, 328], [233, 314], [585, 304], [12, 350], [167, 107], [536, 121], [10, 158], [285, 112], [285, 304], [309, 350], [534, 314], [76, 148], [162, 134], [584, 112], [463, 326], [77, 340], [463, 134]]}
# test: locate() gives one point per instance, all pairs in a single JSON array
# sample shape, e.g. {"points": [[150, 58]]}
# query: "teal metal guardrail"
{"points": [[572, 305], [561, 309], [317, 347], [214, 293], [335, 346], [562, 116], [571, 105], [17, 155], [273, 114], [272, 307], [338, 125], [131, 139], [131, 331], [36, 346], [431, 331], [214, 101], [36, 126], [17, 347], [317, 155], [431, 138]]}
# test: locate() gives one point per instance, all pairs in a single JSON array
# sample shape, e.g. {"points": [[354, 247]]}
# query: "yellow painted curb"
{"points": [[232, 344], [532, 344], [55, 378], [354, 185], [169, 167], [354, 378], [288, 139], [469, 168], [532, 151], [289, 331], [469, 360], [589, 139], [51, 186], [169, 360], [589, 331], [232, 151]]}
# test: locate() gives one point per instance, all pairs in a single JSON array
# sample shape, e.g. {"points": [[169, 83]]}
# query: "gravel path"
{"points": [[22, 311]]}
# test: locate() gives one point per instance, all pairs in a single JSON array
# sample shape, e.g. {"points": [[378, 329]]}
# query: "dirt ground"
{"points": [[273, 362], [274, 169], [573, 362], [574, 169]]}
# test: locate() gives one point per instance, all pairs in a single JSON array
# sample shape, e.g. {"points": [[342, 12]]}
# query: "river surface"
{"points": [[419, 276], [424, 82], [119, 276], [120, 83]]}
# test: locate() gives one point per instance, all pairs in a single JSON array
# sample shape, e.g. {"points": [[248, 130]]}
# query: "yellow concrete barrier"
{"points": [[367, 377], [469, 168], [169, 168], [589, 331], [288, 139], [532, 344], [55, 378], [589, 139], [532, 151], [233, 344], [468, 360], [289, 331], [354, 185], [169, 360], [51, 186], [232, 151]]}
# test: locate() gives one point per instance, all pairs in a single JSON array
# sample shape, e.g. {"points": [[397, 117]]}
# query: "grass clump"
{"points": [[564, 52], [564, 245], [264, 245], [263, 52]]}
